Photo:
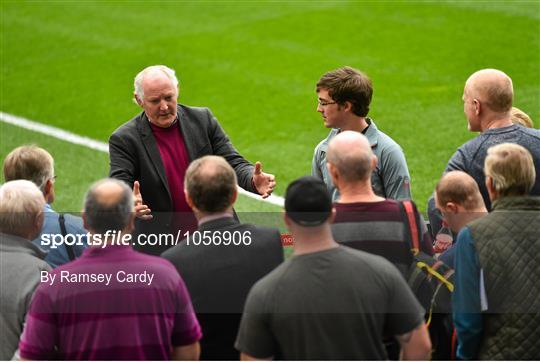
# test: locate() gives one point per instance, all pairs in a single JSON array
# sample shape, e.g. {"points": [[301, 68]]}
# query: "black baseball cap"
{"points": [[307, 201]]}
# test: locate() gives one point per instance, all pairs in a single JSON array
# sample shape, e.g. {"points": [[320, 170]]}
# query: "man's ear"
{"points": [[332, 216], [452, 207], [131, 224], [287, 220], [49, 191], [85, 220], [234, 196], [490, 186], [374, 162], [189, 200], [347, 106], [334, 174], [38, 223], [477, 106], [137, 99]]}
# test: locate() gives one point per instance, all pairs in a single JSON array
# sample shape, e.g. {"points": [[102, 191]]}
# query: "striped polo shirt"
{"points": [[112, 303], [378, 228]]}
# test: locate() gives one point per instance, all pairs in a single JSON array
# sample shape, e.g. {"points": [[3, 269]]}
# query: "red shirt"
{"points": [[175, 160]]}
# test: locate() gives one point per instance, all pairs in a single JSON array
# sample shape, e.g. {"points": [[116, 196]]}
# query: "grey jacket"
{"points": [[390, 179], [21, 264]]}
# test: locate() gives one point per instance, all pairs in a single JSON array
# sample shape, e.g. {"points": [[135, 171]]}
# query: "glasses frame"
{"points": [[325, 103]]}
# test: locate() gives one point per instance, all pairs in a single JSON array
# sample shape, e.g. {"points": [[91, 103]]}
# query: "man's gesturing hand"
{"points": [[141, 210], [264, 182]]}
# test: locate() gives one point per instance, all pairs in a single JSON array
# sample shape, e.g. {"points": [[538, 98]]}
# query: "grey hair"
{"points": [[107, 216], [21, 202], [31, 163], [137, 84], [511, 167]]}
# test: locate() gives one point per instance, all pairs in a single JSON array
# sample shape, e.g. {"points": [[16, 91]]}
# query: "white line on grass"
{"points": [[96, 145]]}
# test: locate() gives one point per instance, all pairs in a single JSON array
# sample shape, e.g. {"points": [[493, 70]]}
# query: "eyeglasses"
{"points": [[325, 103]]}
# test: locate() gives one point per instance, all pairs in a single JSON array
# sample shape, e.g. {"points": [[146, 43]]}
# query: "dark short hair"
{"points": [[108, 216], [211, 183], [308, 202], [347, 84]]}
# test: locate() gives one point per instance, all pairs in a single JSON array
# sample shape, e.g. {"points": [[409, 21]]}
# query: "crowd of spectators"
{"points": [[225, 291]]}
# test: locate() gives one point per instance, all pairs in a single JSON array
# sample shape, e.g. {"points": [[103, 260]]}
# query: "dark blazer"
{"points": [[219, 278], [134, 155]]}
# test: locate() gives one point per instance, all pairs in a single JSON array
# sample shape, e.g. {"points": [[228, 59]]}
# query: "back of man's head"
{"points": [[21, 209], [30, 163], [210, 183], [308, 202], [493, 88], [348, 84], [461, 189], [510, 167], [108, 206], [350, 154]]}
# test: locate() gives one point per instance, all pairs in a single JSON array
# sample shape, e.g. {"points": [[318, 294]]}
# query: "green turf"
{"points": [[71, 64]]}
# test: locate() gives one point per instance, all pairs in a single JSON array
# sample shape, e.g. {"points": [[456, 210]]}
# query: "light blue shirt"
{"points": [[390, 179], [74, 226]]}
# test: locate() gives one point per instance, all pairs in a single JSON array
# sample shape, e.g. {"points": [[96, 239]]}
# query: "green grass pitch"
{"points": [[255, 64]]}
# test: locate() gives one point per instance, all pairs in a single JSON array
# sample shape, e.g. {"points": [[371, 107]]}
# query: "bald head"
{"points": [[351, 155], [459, 188], [108, 206], [492, 88]]}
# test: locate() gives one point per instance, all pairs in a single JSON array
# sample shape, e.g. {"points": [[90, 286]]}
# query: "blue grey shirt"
{"points": [[57, 255], [470, 158], [390, 179]]}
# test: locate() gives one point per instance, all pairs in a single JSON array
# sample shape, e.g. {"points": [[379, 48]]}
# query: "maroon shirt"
{"points": [[175, 160], [378, 228], [119, 319]]}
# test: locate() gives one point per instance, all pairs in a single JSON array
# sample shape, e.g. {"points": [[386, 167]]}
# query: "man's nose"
{"points": [[163, 105], [320, 109]]}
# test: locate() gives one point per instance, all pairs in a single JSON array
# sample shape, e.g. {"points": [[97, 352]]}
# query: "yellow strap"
{"points": [[431, 271]]}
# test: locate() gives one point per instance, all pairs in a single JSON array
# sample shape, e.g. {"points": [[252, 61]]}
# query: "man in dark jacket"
{"points": [[221, 260], [153, 150], [496, 300]]}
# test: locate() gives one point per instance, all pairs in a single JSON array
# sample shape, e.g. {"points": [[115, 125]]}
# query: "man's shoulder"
{"points": [[130, 127], [378, 266], [269, 283], [518, 134], [51, 224], [259, 237], [200, 111], [385, 142], [27, 262], [323, 144]]}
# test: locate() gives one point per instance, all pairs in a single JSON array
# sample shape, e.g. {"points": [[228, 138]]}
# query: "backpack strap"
{"points": [[411, 221], [69, 248]]}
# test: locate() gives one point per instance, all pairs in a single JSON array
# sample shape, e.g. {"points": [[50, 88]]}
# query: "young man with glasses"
{"points": [[344, 96]]}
